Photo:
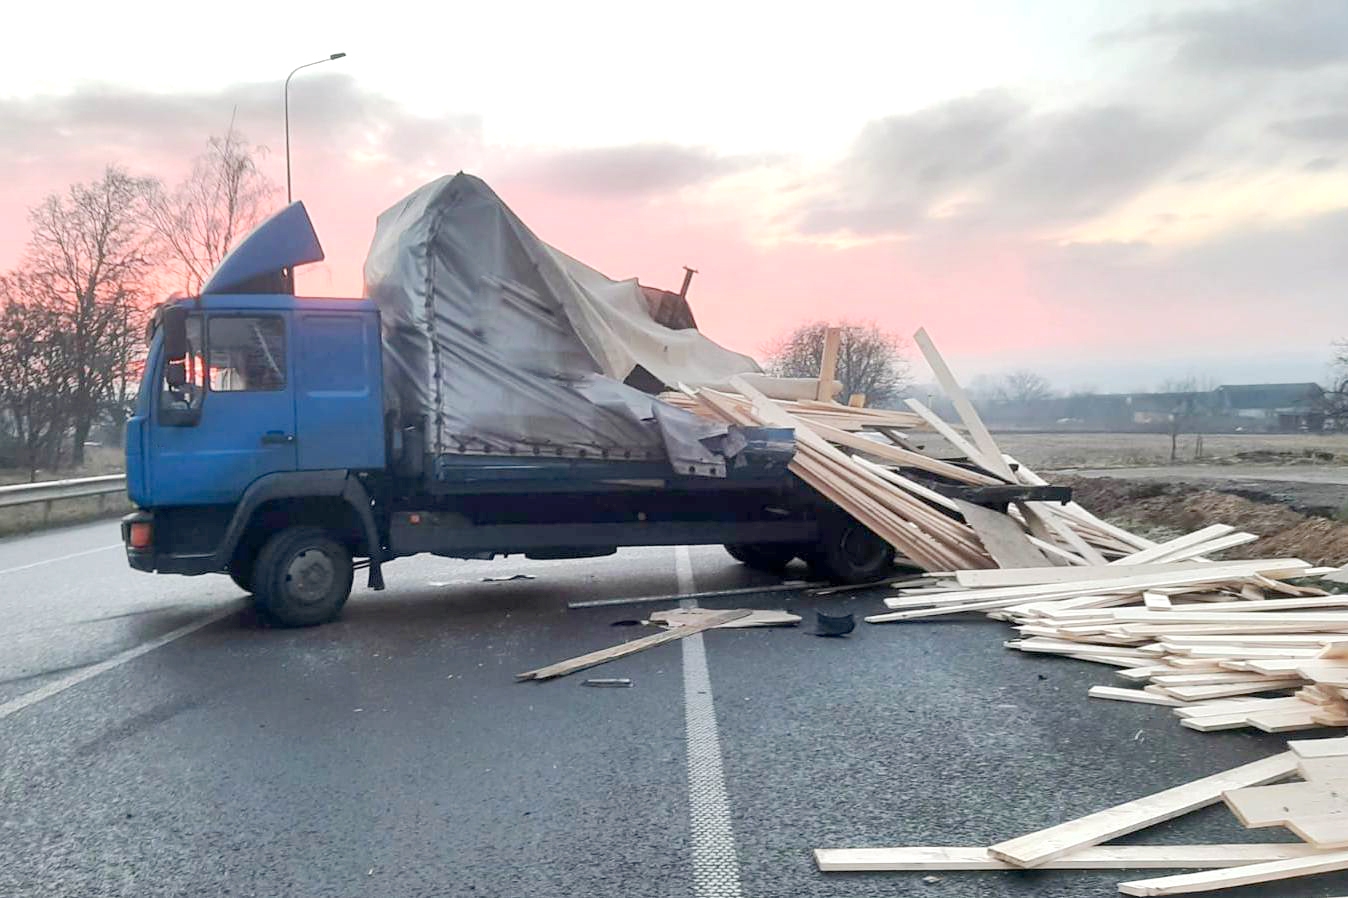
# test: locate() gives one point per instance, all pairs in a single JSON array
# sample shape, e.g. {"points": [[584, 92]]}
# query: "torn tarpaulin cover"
{"points": [[502, 344]]}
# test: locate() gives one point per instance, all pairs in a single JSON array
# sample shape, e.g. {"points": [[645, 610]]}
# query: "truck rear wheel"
{"points": [[302, 577], [848, 552], [770, 557]]}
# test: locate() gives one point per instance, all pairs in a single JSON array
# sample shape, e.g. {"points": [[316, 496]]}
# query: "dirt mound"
{"points": [[1150, 506]]}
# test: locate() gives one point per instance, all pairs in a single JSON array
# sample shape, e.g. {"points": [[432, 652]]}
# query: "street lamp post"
{"points": [[287, 104]]}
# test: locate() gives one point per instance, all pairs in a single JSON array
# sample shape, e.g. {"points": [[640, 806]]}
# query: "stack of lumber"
{"points": [[1209, 639], [1316, 810], [866, 462]]}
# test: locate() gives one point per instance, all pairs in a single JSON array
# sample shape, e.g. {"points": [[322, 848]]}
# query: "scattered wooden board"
{"points": [[1100, 857], [1249, 874], [581, 662], [1036, 848]]}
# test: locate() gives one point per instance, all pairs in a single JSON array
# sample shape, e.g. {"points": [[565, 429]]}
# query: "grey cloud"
{"points": [[633, 169], [331, 111], [1257, 35], [1330, 127], [989, 161], [1321, 163], [900, 165], [1289, 273]]}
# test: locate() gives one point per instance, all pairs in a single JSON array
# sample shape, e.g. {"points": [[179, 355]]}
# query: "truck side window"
{"points": [[247, 353], [184, 382]]}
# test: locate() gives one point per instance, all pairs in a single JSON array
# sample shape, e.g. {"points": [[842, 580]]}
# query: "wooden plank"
{"points": [[1001, 536], [581, 662], [1209, 548], [1332, 618], [1319, 748], [760, 617], [1031, 576], [1124, 583], [1156, 601], [828, 362], [1277, 805], [1334, 767], [951, 435], [1180, 542], [1324, 831], [987, 447], [1133, 695], [1249, 874], [1227, 690], [903, 457], [1100, 857], [1034, 849]]}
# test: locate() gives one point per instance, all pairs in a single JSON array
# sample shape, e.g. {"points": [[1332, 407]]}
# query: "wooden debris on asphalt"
{"points": [[761, 617], [581, 662], [1219, 644]]}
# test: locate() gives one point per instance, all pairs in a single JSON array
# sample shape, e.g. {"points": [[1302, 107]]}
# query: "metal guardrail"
{"points": [[53, 490]]}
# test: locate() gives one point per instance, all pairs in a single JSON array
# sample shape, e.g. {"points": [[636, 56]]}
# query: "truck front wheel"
{"points": [[302, 577]]}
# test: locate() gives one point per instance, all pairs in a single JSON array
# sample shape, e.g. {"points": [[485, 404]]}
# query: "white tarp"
{"points": [[501, 343]]}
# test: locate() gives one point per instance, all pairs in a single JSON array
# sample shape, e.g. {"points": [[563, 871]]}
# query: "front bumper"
{"points": [[148, 560]]}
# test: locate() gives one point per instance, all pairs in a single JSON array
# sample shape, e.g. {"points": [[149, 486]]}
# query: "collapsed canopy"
{"points": [[501, 343]]}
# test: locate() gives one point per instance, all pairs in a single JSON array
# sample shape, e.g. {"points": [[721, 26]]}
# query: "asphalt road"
{"points": [[393, 754]]}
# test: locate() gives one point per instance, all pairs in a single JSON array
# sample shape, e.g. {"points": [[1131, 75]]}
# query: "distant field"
{"points": [[1102, 450]]}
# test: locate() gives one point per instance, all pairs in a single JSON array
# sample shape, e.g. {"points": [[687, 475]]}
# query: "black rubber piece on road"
{"points": [[302, 577], [770, 557]]}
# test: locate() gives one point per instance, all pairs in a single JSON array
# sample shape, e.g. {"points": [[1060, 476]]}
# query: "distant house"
{"points": [[1275, 406]]}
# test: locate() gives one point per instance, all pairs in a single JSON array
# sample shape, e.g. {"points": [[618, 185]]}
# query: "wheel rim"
{"points": [[309, 576]]}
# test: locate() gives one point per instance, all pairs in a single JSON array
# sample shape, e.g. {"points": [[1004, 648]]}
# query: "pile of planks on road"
{"points": [[866, 462], [1211, 639], [1226, 644], [1316, 810]]}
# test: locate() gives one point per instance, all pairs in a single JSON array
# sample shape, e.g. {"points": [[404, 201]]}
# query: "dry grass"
{"points": [[1107, 450], [97, 460]]}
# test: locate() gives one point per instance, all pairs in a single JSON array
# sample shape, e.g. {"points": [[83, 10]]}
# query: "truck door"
{"points": [[338, 395], [240, 396]]}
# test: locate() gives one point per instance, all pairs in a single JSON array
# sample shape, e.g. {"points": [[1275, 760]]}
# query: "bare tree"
{"points": [[201, 219], [36, 376], [1336, 397], [1023, 385], [870, 360], [87, 263]]}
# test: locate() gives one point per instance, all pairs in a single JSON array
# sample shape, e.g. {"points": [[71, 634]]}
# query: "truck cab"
{"points": [[258, 411]]}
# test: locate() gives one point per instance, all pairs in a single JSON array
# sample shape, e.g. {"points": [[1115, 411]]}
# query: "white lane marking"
{"points": [[716, 866], [55, 687], [24, 567]]}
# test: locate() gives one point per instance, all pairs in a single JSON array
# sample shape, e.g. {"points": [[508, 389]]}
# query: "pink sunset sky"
{"points": [[1112, 194]]}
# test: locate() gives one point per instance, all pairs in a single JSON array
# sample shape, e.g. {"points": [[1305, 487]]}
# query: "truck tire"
{"points": [[770, 557], [302, 577], [848, 552]]}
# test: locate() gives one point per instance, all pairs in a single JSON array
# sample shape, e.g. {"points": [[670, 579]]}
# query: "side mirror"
{"points": [[175, 373], [175, 335]]}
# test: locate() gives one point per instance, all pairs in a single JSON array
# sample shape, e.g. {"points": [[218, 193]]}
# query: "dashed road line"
{"points": [[716, 866], [24, 567]]}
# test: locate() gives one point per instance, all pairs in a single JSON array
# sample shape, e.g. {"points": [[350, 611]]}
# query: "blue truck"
{"points": [[288, 442], [261, 447]]}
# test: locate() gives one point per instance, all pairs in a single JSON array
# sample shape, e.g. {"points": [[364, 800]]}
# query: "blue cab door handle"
{"points": [[275, 437]]}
